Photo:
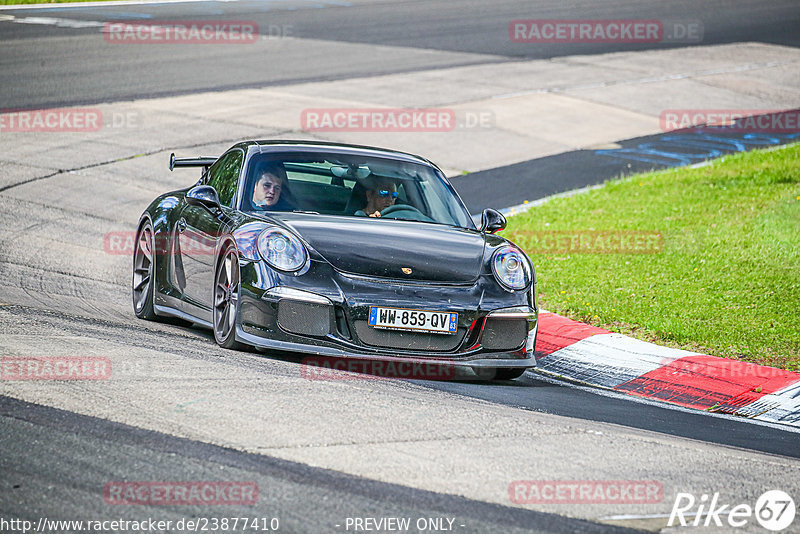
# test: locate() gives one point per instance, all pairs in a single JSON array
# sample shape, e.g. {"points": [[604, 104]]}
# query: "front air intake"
{"points": [[504, 334], [304, 318]]}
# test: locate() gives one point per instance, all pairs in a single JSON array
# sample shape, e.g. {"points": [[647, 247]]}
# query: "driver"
{"points": [[271, 189], [380, 196]]}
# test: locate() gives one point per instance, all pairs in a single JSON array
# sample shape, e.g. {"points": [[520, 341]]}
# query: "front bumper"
{"points": [[478, 361], [324, 313]]}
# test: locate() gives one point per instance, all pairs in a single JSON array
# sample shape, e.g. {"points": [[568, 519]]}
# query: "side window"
{"points": [[224, 175]]}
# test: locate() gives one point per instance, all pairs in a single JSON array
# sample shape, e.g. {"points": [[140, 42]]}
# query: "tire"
{"points": [[144, 268], [498, 373], [226, 298], [509, 373]]}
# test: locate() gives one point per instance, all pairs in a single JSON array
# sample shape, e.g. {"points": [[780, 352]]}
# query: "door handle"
{"points": [[181, 224]]}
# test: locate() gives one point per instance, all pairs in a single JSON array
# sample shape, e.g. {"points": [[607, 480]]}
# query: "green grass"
{"points": [[726, 281]]}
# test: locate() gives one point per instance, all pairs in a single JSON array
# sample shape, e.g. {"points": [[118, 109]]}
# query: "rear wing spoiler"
{"points": [[201, 161]]}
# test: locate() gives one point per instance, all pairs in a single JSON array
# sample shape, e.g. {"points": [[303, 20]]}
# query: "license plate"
{"points": [[402, 319]]}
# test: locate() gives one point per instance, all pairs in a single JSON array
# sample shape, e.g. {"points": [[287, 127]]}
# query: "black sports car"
{"points": [[336, 251]]}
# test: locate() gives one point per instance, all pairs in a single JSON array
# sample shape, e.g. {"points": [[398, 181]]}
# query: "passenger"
{"points": [[271, 189], [380, 196]]}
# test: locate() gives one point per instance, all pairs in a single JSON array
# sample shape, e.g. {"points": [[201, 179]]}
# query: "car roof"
{"points": [[343, 148]]}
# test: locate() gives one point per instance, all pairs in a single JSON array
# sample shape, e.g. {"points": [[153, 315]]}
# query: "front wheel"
{"points": [[509, 373], [498, 373], [226, 298]]}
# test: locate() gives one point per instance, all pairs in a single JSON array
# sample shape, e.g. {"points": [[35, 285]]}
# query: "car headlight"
{"points": [[511, 268], [282, 250]]}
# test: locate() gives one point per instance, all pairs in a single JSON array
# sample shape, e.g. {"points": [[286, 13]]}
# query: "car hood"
{"points": [[389, 248]]}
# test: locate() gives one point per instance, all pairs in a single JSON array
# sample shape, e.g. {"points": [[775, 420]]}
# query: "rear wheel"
{"points": [[144, 273], [226, 298]]}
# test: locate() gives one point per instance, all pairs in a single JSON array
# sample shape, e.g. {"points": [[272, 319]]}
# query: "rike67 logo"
{"points": [[774, 510]]}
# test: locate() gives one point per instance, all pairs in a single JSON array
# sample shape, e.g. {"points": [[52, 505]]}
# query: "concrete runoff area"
{"points": [[67, 292], [505, 113]]}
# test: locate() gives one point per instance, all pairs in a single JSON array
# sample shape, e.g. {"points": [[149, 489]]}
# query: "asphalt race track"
{"points": [[48, 441], [81, 70], [551, 175], [322, 452]]}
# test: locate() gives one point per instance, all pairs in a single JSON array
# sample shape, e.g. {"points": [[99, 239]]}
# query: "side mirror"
{"points": [[492, 221], [203, 195]]}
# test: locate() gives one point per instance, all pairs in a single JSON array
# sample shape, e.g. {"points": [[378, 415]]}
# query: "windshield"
{"points": [[351, 186]]}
